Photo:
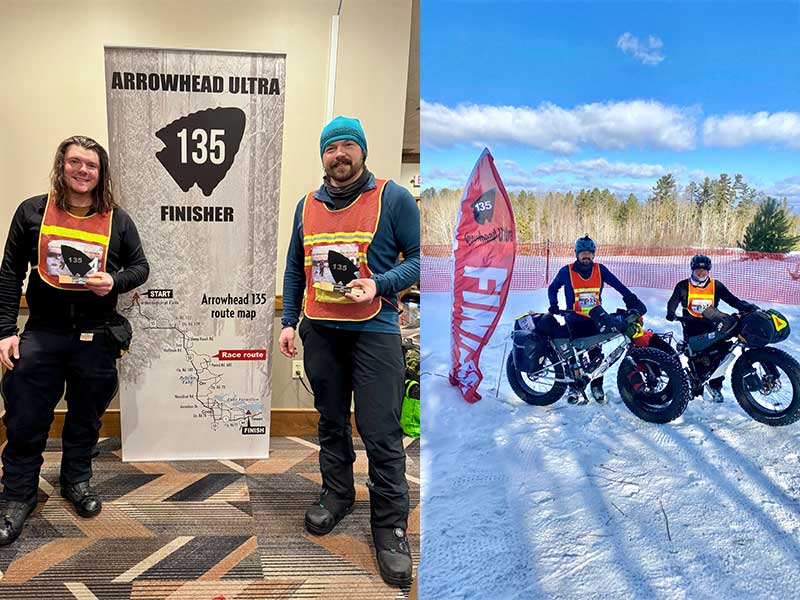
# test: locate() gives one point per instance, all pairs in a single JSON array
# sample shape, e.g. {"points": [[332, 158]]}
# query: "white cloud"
{"points": [[788, 188], [648, 53], [564, 174], [611, 125], [734, 130], [439, 178], [600, 167], [622, 188]]}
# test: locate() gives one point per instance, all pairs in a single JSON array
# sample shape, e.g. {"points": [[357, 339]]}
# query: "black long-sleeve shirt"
{"points": [[680, 295], [53, 308]]}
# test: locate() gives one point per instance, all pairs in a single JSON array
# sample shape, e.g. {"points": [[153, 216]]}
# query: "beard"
{"points": [[335, 173]]}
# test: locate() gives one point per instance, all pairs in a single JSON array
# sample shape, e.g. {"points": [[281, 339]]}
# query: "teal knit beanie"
{"points": [[343, 128]]}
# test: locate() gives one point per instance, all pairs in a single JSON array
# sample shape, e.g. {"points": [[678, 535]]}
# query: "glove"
{"points": [[632, 302], [620, 325], [553, 310], [670, 316], [606, 321], [632, 316]]}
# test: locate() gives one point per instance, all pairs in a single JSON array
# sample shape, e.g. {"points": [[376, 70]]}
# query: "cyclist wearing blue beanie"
{"points": [[583, 283]]}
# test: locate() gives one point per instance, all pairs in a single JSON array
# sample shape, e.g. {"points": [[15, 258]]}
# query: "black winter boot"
{"points": [[394, 555], [597, 391], [12, 519], [322, 516], [83, 498]]}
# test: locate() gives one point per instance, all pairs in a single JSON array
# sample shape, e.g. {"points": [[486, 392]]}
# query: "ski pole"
{"points": [[500, 371]]}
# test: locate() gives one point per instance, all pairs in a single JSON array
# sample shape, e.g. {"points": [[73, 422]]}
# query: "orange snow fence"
{"points": [[755, 276]]}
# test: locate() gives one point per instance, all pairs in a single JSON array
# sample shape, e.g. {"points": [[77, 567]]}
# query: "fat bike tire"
{"points": [[744, 397], [520, 383], [659, 407]]}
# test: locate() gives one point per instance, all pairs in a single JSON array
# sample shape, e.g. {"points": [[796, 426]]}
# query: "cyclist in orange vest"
{"points": [[696, 294], [346, 239], [583, 283], [83, 251]]}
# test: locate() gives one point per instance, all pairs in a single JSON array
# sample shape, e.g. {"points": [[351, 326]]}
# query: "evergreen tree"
{"points": [[690, 192], [740, 188], [665, 189], [625, 216], [724, 197], [428, 194], [771, 229], [704, 194], [583, 201], [723, 193]]}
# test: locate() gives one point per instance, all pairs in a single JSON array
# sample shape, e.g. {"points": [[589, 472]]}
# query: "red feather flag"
{"points": [[484, 248]]}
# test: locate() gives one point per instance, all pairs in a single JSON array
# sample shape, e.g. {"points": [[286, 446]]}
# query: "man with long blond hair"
{"points": [[83, 252]]}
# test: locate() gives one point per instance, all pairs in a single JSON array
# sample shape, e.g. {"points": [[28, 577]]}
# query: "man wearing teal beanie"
{"points": [[343, 260], [343, 128]]}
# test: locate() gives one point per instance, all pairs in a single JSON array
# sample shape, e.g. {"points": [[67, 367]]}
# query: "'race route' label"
{"points": [[241, 355]]}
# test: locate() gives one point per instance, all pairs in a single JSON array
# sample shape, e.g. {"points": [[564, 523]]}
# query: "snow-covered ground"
{"points": [[564, 501]]}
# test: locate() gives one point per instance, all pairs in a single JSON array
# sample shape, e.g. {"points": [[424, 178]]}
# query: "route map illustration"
{"points": [[207, 394]]}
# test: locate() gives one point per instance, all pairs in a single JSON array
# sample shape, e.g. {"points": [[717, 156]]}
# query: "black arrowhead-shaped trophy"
{"points": [[342, 268], [78, 263]]}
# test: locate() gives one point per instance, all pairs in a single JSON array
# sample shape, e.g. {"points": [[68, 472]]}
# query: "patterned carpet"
{"points": [[210, 530]]}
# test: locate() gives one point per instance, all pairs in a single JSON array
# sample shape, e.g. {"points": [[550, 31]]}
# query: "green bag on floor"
{"points": [[409, 418]]}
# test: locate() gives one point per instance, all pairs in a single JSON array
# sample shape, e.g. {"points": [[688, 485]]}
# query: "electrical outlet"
{"points": [[297, 369]]}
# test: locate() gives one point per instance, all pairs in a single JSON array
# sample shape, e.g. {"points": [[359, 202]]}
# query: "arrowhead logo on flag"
{"points": [[484, 248], [483, 207]]}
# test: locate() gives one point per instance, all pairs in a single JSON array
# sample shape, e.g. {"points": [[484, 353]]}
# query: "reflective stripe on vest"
{"points": [[587, 291], [700, 298], [347, 233], [87, 239]]}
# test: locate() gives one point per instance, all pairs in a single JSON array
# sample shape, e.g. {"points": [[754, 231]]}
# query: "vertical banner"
{"points": [[484, 248], [195, 142]]}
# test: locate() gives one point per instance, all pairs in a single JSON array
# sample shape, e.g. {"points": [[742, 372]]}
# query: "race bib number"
{"points": [[72, 261], [699, 305], [587, 300], [526, 323]]}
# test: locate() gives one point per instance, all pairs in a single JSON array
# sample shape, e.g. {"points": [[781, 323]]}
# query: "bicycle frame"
{"points": [[578, 356]]}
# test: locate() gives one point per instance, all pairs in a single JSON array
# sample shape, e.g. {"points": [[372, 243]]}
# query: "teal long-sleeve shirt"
{"points": [[397, 232]]}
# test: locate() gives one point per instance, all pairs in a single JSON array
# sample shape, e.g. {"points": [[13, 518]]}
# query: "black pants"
{"points": [[581, 327], [697, 327], [48, 361], [701, 326], [368, 368]]}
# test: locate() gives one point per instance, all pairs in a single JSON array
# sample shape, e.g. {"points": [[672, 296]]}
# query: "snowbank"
{"points": [[565, 501]]}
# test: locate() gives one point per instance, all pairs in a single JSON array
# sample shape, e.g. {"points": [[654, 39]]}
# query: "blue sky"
{"points": [[612, 94]]}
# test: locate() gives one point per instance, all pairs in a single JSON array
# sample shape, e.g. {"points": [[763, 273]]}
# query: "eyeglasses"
{"points": [[76, 163]]}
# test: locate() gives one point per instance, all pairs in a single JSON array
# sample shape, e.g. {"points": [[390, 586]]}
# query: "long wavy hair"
{"points": [[102, 195]]}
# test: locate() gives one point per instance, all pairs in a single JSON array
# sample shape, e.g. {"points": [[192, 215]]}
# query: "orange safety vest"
{"points": [[587, 291], [700, 298], [348, 232], [71, 248]]}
